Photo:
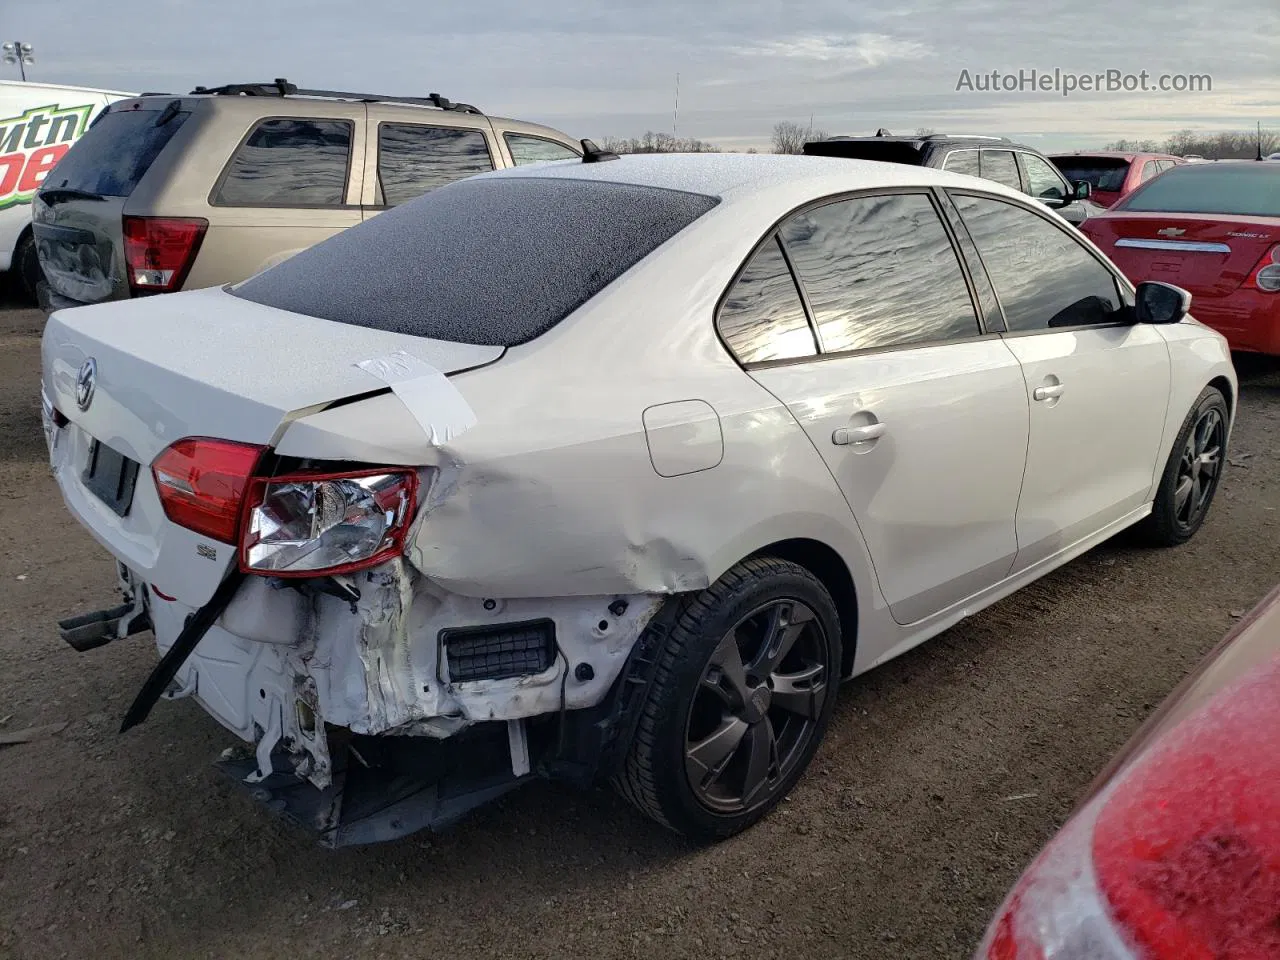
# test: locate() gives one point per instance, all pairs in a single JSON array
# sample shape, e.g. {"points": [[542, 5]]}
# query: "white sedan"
{"points": [[611, 470]]}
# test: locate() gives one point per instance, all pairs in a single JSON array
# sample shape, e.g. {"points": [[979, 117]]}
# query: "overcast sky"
{"points": [[608, 68]]}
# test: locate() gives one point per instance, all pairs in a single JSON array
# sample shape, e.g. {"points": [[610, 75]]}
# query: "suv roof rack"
{"points": [[281, 87], [963, 136]]}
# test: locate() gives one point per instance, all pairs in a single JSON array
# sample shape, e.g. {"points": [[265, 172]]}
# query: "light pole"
{"points": [[20, 53]]}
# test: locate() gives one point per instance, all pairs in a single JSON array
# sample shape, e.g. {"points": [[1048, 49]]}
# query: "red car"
{"points": [[1112, 175], [1214, 230], [1175, 852]]}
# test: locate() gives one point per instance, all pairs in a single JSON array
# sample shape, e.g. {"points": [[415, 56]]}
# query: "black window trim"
{"points": [[772, 232], [576, 151], [963, 241], [346, 180], [1123, 287], [377, 156]]}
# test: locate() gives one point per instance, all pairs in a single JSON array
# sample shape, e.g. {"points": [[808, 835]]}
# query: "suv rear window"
{"points": [[115, 152], [1246, 188], [494, 261], [1102, 173]]}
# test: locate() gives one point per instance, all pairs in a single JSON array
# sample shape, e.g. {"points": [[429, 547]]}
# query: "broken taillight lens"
{"points": [[201, 482], [159, 251], [308, 525], [1178, 859]]}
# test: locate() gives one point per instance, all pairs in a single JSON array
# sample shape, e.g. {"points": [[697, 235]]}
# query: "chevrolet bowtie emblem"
{"points": [[1171, 232]]}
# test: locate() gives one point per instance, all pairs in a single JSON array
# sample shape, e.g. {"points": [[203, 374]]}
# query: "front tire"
{"points": [[743, 691], [1191, 476]]}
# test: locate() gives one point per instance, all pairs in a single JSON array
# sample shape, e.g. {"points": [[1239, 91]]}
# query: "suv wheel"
{"points": [[742, 694], [26, 267]]}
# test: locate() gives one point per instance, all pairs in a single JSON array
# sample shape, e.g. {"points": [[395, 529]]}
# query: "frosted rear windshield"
{"points": [[491, 261]]}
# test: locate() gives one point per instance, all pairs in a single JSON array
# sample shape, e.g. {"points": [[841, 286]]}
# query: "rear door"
{"points": [[920, 415], [78, 213], [1097, 384], [406, 159]]}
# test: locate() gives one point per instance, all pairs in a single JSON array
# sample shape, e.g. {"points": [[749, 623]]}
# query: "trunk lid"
{"points": [[80, 244], [203, 363], [1211, 256]]}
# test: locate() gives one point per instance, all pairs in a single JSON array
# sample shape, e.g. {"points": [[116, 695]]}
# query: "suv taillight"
{"points": [[1178, 859], [159, 251], [1266, 275], [307, 524]]}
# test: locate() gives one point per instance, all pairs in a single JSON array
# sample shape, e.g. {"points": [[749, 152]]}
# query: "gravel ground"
{"points": [[943, 772]]}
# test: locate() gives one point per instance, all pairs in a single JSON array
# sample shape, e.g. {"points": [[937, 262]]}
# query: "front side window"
{"points": [[962, 161], [1000, 166], [414, 158], [1043, 181], [527, 149], [763, 318], [289, 162], [879, 271], [1044, 277]]}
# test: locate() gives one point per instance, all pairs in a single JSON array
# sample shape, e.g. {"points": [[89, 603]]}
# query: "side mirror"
{"points": [[1083, 189], [1156, 302]]}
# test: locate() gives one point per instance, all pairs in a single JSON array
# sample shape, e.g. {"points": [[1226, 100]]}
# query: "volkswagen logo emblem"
{"points": [[86, 379]]}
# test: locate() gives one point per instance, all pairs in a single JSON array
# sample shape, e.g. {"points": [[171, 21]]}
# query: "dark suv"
{"points": [[992, 158]]}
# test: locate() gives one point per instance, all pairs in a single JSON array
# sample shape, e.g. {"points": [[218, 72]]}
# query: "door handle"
{"points": [[847, 435], [1051, 392]]}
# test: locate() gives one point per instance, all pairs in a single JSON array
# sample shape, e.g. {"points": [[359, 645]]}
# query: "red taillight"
{"points": [[1266, 275], [159, 251], [1179, 859], [201, 482]]}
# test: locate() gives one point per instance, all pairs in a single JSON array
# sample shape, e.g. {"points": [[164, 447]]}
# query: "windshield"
{"points": [[1102, 173], [1248, 189], [491, 261]]}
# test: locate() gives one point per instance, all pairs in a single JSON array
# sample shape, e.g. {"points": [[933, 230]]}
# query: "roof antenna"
{"points": [[593, 154]]}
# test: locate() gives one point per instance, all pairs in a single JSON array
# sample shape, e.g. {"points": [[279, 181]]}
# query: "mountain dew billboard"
{"points": [[32, 143]]}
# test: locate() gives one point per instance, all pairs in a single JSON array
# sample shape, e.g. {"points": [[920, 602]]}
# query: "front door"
{"points": [[1096, 383]]}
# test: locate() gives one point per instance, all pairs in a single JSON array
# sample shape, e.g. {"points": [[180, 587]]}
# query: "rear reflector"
{"points": [[201, 483], [159, 251]]}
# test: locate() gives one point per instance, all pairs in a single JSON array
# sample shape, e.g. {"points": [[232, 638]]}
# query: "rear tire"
{"points": [[743, 691], [1191, 475], [26, 267]]}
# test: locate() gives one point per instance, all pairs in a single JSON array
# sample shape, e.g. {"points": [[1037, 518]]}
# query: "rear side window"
{"points": [[526, 149], [880, 272], [1044, 277], [1234, 189], [1151, 168], [495, 261], [1000, 166], [414, 158], [115, 152], [289, 162], [763, 318], [962, 161]]}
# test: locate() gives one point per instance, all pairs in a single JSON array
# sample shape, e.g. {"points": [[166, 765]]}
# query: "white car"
{"points": [[611, 470]]}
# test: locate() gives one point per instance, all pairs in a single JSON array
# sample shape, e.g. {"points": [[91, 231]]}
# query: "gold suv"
{"points": [[168, 193]]}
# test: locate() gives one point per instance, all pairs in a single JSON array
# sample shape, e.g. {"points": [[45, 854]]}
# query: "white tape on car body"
{"points": [[437, 405]]}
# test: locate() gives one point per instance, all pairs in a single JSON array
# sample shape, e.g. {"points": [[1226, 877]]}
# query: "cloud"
{"points": [[858, 50]]}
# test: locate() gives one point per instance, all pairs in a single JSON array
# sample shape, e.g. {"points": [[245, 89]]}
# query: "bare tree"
{"points": [[924, 131], [790, 137], [1227, 145], [653, 142]]}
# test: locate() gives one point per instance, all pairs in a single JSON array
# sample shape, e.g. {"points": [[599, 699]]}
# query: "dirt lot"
{"points": [[943, 773]]}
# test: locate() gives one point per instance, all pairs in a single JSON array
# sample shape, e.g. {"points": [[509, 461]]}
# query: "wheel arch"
{"points": [[1223, 385], [828, 566]]}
